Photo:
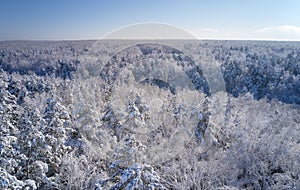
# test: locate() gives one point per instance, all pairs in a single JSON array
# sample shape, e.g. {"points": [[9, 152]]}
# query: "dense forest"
{"points": [[132, 115]]}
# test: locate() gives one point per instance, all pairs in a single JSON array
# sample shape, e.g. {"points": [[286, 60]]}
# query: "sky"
{"points": [[205, 19]]}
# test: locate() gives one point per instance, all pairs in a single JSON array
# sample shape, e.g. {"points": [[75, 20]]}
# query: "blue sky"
{"points": [[91, 19]]}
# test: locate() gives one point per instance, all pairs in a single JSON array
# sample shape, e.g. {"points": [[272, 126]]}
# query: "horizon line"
{"points": [[139, 39]]}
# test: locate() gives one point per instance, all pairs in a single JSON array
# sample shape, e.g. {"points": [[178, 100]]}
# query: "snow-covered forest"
{"points": [[96, 115]]}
